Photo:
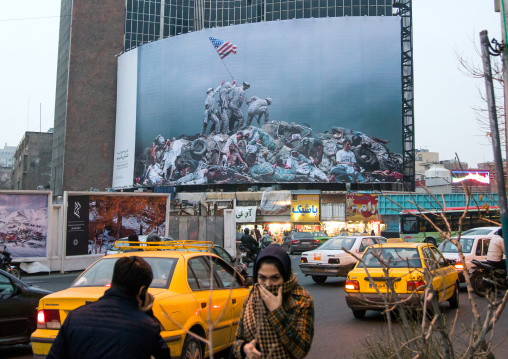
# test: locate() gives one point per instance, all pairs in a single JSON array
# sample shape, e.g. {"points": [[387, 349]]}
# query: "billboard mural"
{"points": [[24, 224], [319, 102], [95, 222]]}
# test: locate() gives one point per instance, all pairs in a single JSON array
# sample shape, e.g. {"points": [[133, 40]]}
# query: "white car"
{"points": [[330, 259], [475, 245]]}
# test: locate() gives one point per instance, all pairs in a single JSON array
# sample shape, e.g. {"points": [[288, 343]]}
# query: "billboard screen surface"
{"points": [[24, 224], [318, 102]]}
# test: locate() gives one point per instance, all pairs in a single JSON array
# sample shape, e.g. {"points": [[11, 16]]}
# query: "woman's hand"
{"points": [[250, 350], [272, 302]]}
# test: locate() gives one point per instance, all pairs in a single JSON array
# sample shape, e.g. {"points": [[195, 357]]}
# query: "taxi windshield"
{"points": [[101, 273], [392, 257], [339, 243], [449, 247]]}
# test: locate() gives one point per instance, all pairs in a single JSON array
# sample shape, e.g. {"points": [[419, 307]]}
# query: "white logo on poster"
{"points": [[77, 207], [75, 242]]}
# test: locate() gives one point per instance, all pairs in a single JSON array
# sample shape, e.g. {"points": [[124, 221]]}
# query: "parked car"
{"points": [[331, 260], [475, 245], [299, 242], [18, 309], [321, 236], [239, 266], [182, 286], [407, 262], [142, 238]]}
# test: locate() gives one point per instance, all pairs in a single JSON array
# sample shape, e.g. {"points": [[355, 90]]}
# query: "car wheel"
{"points": [[454, 299], [359, 314], [191, 348], [320, 279], [431, 240]]}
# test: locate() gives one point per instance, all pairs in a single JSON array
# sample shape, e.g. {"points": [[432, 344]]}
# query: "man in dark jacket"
{"points": [[249, 242], [119, 325]]}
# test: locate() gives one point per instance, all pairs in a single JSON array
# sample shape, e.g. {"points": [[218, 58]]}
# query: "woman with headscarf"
{"points": [[277, 320]]}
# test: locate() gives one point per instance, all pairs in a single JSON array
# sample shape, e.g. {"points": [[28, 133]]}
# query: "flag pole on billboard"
{"points": [[223, 49]]}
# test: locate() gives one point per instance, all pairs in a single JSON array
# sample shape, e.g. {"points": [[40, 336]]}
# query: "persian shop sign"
{"points": [[362, 207], [305, 208], [245, 214]]}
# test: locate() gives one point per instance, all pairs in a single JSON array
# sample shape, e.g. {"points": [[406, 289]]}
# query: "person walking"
{"points": [[277, 320], [120, 324]]}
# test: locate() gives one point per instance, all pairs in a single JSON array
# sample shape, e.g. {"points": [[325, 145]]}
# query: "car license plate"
{"points": [[382, 285], [319, 269]]}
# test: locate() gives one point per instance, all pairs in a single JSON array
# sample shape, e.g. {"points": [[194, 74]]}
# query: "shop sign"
{"points": [[361, 207], [305, 208], [245, 214]]}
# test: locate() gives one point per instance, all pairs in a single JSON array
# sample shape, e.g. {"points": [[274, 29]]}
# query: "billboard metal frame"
{"points": [[405, 12]]}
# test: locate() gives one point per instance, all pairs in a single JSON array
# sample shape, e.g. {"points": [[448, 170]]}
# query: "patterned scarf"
{"points": [[256, 324]]}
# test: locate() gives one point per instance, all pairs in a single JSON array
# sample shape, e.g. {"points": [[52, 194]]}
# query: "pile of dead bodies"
{"points": [[276, 152]]}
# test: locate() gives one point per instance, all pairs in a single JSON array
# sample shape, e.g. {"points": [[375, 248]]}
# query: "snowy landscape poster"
{"points": [[111, 218], [24, 224]]}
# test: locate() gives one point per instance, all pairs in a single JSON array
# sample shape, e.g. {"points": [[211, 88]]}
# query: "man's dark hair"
{"points": [[153, 237], [130, 274], [246, 231], [133, 238], [346, 141]]}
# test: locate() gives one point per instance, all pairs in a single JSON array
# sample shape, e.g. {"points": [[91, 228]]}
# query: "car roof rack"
{"points": [[167, 245]]}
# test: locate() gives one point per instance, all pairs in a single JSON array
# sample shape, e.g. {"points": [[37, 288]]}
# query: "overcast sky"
{"points": [[444, 97]]}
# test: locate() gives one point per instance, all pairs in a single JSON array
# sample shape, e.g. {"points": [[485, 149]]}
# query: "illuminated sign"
{"points": [[471, 177], [305, 208]]}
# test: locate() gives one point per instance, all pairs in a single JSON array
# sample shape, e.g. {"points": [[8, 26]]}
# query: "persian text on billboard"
{"points": [[361, 207], [305, 208], [320, 102]]}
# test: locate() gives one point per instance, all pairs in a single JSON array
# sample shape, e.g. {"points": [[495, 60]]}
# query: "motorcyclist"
{"points": [[249, 242], [496, 252], [266, 240]]}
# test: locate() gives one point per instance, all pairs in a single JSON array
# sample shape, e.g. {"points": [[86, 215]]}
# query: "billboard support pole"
{"points": [[487, 51]]}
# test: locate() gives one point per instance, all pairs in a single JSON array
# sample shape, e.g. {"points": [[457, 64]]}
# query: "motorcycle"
{"points": [[248, 256], [486, 278], [5, 264]]}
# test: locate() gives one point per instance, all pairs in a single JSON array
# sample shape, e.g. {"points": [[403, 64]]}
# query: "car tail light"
{"points": [[303, 260], [352, 285], [48, 319], [413, 285], [294, 241], [316, 241], [333, 260], [459, 266]]}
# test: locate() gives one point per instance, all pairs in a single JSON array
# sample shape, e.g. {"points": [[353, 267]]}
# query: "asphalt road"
{"points": [[337, 333]]}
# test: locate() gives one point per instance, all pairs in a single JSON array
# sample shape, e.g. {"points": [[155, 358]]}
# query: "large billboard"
{"points": [[24, 223], [95, 222], [307, 100]]}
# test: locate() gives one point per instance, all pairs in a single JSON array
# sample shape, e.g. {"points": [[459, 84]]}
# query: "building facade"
{"points": [[32, 162], [93, 34]]}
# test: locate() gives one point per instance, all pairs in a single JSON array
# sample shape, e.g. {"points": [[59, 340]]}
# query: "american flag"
{"points": [[224, 48]]}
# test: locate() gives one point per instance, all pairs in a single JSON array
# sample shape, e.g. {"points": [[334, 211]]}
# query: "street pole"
{"points": [[494, 132]]}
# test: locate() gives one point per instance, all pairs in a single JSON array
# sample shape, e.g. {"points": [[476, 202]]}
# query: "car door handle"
{"points": [[203, 305], [233, 300]]}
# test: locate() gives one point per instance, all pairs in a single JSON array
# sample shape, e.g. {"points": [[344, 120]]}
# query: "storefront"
{"points": [[333, 212]]}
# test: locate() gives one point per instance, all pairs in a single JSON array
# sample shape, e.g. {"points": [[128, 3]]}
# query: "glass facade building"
{"points": [[151, 20]]}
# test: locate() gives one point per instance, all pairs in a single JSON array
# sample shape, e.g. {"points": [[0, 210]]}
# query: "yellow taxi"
{"points": [[406, 264], [194, 291]]}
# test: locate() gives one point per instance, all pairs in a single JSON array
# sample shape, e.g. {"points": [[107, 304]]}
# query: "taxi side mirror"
{"points": [[248, 281]]}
